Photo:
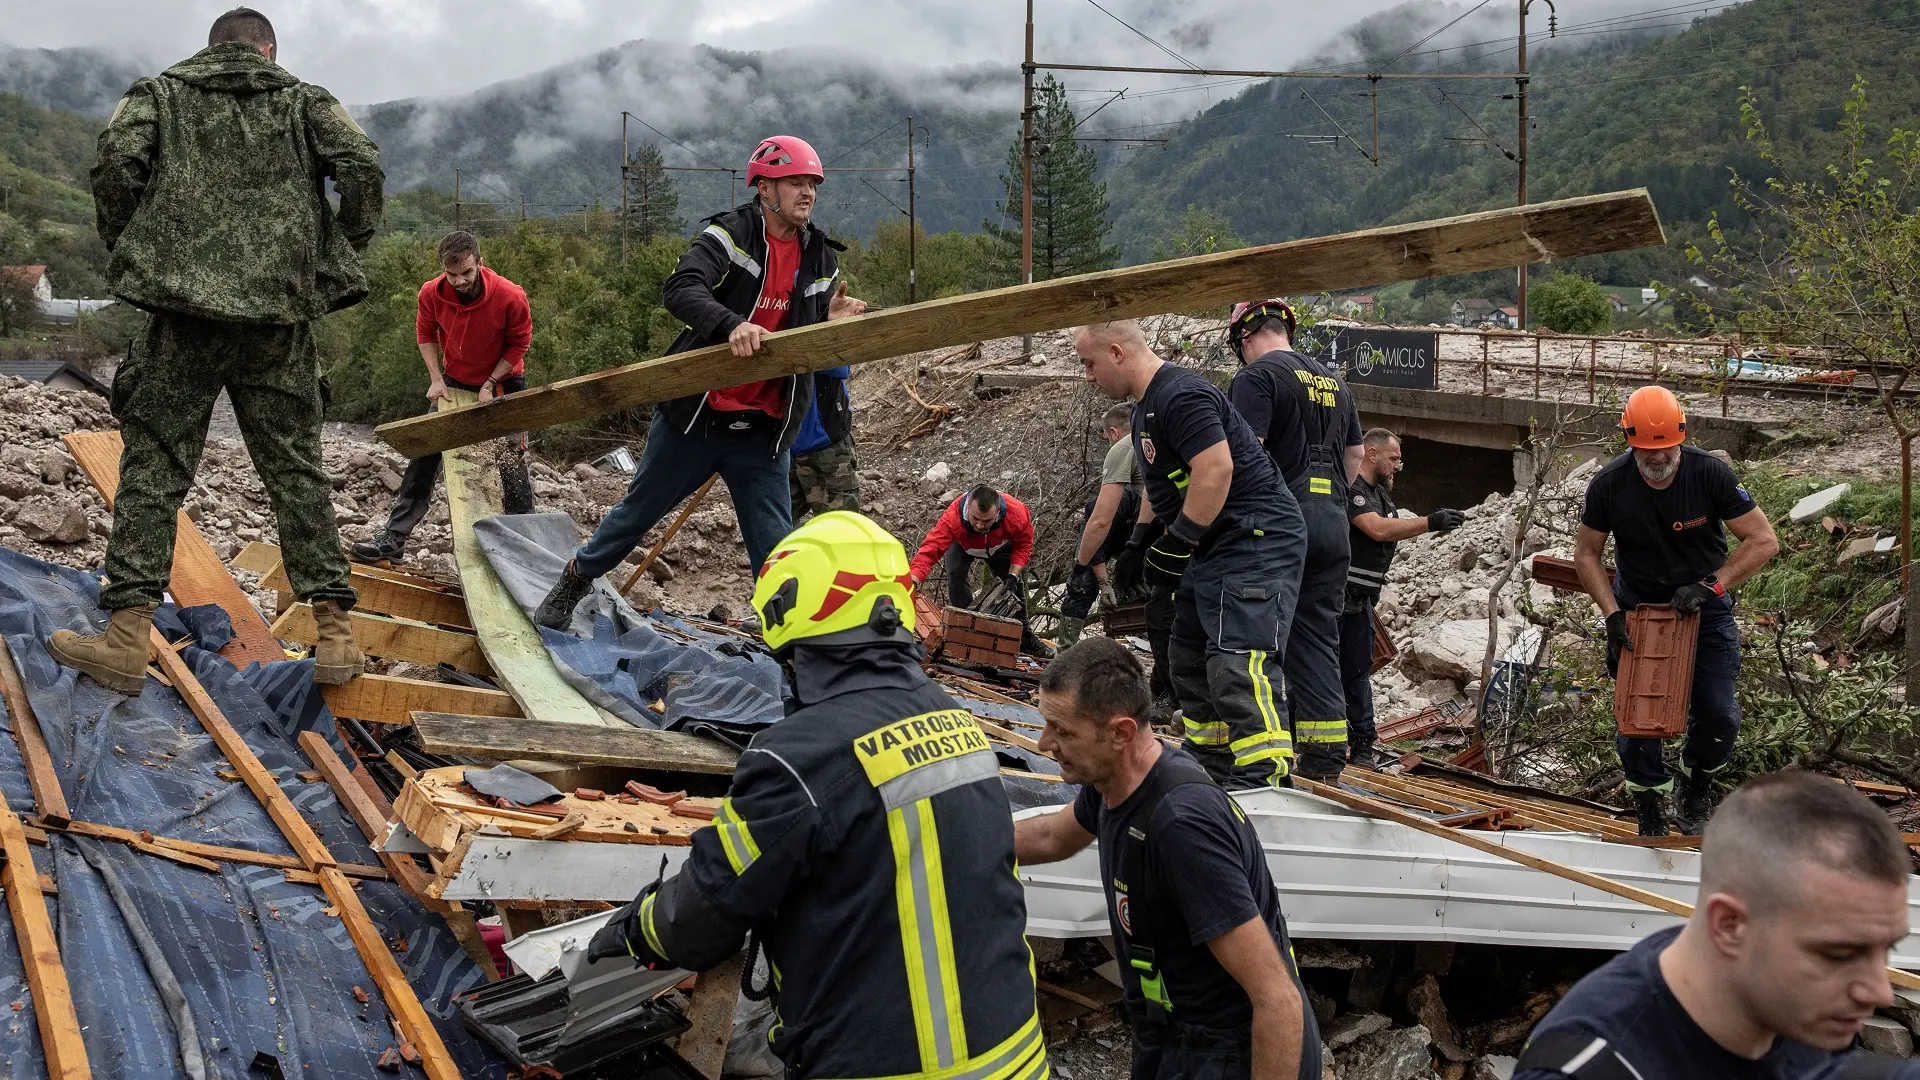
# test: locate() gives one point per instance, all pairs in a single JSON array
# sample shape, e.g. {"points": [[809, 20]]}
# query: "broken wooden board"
{"points": [[509, 639], [391, 639], [383, 595], [40, 953], [1538, 232], [624, 747], [49, 801], [198, 576], [434, 808], [389, 699], [710, 1016]]}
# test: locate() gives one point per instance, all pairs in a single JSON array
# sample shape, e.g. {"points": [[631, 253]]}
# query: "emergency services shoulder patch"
{"points": [[921, 756], [1124, 911], [1741, 490], [1359, 500], [1146, 448]]}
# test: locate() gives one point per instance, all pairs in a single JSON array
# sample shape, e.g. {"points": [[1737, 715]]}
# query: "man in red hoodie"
{"points": [[989, 525], [473, 327]]}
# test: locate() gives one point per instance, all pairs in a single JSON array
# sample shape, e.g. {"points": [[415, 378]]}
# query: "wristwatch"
{"points": [[1712, 581]]}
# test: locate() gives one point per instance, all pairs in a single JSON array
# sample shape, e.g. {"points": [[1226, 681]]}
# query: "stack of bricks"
{"points": [[983, 640]]}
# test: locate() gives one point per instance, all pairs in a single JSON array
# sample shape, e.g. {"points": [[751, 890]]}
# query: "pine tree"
{"points": [[1070, 223], [652, 200]]}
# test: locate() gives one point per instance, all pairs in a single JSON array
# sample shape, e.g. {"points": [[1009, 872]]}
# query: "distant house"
{"points": [[52, 309], [1506, 318], [34, 276], [1618, 304], [58, 374], [1472, 312], [1358, 307]]}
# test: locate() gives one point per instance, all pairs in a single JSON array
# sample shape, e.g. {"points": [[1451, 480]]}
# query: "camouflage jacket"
{"points": [[209, 186]]}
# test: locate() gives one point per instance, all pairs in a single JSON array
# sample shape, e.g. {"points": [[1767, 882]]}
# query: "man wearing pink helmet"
{"points": [[755, 269]]}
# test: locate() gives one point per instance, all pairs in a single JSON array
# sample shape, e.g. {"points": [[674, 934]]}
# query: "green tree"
{"points": [[1569, 304], [652, 200], [949, 264], [1070, 223], [18, 308], [1200, 232]]}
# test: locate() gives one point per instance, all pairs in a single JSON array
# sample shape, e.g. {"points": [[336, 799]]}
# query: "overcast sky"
{"points": [[376, 50]]}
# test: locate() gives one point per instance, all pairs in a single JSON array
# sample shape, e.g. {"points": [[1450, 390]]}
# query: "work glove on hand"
{"points": [[621, 936], [1617, 631], [1445, 520], [1082, 580], [1691, 597], [1129, 570], [1168, 557]]}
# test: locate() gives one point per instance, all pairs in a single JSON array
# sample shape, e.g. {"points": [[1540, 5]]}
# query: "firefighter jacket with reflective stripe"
{"points": [[715, 287], [867, 840]]}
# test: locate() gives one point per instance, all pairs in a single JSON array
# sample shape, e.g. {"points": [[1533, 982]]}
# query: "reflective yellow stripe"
{"points": [[1206, 732], [736, 838], [926, 938], [1180, 478], [1021, 1056], [1263, 694], [1320, 731], [646, 926], [1319, 485]]}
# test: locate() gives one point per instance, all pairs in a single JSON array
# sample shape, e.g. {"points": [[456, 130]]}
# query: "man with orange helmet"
{"points": [[756, 269], [1668, 507]]}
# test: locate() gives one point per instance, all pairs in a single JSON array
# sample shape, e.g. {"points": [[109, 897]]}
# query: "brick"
{"points": [[972, 638], [958, 617]]}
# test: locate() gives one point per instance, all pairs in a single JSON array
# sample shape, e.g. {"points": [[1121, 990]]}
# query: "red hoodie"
{"points": [[1015, 528], [474, 337]]}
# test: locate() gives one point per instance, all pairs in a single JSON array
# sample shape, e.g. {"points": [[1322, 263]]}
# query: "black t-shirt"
{"points": [[1665, 539], [1212, 869], [1296, 406], [1627, 1003], [1182, 415], [1367, 573]]}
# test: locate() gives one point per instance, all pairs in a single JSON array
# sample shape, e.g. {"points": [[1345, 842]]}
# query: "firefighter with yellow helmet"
{"points": [[866, 841]]}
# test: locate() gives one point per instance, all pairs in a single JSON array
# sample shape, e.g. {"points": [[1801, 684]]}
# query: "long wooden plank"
{"points": [[1536, 233], [391, 639], [385, 596], [627, 747], [52, 998], [170, 846], [198, 575], [49, 801], [387, 975], [512, 644], [261, 558], [389, 699]]}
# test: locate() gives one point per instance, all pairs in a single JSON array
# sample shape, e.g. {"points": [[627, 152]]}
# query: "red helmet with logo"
{"points": [[1247, 311], [784, 155]]}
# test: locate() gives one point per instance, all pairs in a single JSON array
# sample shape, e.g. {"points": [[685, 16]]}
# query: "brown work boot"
{"points": [[336, 659], [116, 659]]}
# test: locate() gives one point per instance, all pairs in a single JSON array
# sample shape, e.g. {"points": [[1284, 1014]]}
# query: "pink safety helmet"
{"points": [[784, 155]]}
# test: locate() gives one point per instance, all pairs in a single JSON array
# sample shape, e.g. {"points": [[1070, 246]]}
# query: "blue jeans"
{"points": [[674, 466], [1713, 713]]}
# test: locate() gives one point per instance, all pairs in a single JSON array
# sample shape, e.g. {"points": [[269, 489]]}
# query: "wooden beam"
{"points": [[389, 699], [40, 953], [710, 1013], [573, 744], [1528, 234], [198, 576], [391, 639], [49, 801], [401, 1001], [170, 847], [385, 596]]}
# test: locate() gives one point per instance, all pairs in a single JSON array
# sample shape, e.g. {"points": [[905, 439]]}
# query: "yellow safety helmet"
{"points": [[838, 579]]}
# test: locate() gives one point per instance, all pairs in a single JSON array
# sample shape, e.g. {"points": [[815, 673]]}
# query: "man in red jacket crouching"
{"points": [[994, 527]]}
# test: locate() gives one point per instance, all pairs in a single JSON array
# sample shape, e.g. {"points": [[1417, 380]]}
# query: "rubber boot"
{"points": [[1069, 631], [1696, 803], [387, 547], [1652, 806], [336, 659], [116, 659], [556, 611]]}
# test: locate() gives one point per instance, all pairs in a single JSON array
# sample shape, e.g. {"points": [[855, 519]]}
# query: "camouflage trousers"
{"points": [[824, 480], [163, 397]]}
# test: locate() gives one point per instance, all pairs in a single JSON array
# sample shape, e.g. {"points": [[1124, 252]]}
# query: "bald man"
{"points": [[1803, 893], [1222, 533]]}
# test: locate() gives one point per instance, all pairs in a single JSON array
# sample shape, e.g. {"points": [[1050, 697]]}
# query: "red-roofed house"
{"points": [[35, 277]]}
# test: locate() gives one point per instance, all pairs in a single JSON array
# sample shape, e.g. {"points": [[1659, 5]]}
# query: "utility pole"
{"points": [[623, 187], [1520, 80], [456, 199], [1026, 172], [913, 227], [523, 206]]}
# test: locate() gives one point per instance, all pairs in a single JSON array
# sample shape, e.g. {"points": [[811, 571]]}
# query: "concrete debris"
{"points": [[1425, 1003], [40, 518], [1389, 1054], [937, 474], [1321, 953], [1453, 650], [1889, 1038], [1493, 1067], [1818, 503], [1346, 1030]]}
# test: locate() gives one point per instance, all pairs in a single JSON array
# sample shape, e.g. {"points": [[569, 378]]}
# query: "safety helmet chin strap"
{"points": [[777, 210]]}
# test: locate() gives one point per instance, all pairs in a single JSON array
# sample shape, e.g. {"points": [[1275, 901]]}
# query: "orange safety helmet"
{"points": [[1654, 419]]}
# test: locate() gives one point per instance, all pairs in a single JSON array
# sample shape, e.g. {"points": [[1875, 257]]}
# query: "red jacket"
{"points": [[476, 336], [1015, 528]]}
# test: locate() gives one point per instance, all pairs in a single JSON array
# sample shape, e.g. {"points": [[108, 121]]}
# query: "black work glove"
{"points": [[622, 936], [1617, 631], [1129, 569], [1167, 559], [1691, 597], [1445, 520]]}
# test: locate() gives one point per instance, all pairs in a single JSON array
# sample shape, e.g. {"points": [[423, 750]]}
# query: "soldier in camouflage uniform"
{"points": [[210, 189]]}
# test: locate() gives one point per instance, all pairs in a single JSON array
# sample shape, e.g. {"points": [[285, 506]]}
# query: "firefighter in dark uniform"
{"points": [[1377, 529], [865, 842], [1221, 530], [1305, 417]]}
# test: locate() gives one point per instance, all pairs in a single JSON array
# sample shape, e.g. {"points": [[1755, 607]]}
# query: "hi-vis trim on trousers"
{"points": [[736, 838], [1021, 1057], [1273, 742], [1321, 731], [926, 937]]}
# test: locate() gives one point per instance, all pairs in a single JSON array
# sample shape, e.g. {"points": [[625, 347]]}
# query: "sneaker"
{"points": [[387, 547], [556, 611], [1652, 806]]}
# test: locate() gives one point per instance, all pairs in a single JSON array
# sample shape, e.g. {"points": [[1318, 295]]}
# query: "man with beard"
{"points": [[1376, 529], [473, 327], [757, 269], [1803, 892], [1668, 506]]}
